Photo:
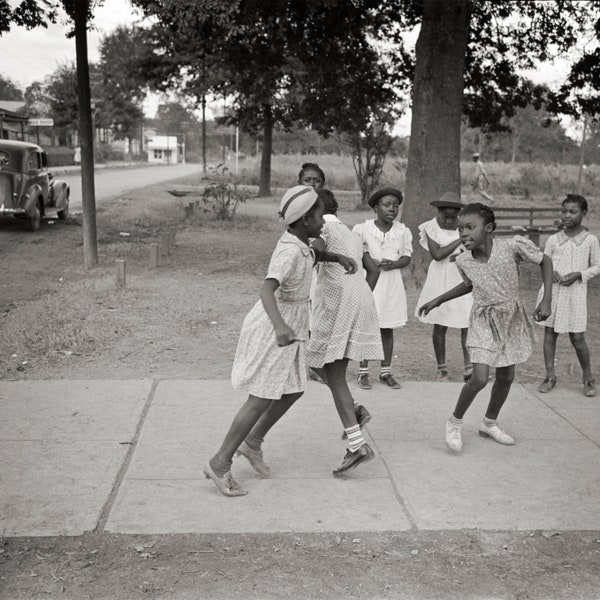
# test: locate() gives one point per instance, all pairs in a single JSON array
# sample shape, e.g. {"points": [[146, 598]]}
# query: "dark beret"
{"points": [[388, 191]]}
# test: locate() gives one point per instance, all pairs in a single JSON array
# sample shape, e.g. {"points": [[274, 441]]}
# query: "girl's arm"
{"points": [[456, 292], [324, 256], [591, 271], [406, 251], [372, 269], [543, 310], [283, 334], [440, 252]]}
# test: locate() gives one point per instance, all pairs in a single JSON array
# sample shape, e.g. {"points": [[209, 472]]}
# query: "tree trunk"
{"points": [[203, 134], [88, 195], [434, 153], [264, 188]]}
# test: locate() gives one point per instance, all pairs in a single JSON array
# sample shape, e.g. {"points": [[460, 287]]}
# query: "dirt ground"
{"points": [[181, 320]]}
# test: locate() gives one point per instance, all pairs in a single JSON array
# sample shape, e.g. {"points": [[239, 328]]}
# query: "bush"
{"points": [[223, 193]]}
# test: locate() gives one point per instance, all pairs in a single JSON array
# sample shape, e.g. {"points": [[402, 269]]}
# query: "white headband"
{"points": [[296, 202]]}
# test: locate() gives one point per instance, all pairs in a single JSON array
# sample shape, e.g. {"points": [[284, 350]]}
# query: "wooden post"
{"points": [[120, 274], [165, 248], [191, 207], [172, 233], [153, 255], [187, 210]]}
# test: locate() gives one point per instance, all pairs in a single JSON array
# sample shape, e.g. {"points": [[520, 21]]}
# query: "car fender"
{"points": [[59, 194], [30, 199]]}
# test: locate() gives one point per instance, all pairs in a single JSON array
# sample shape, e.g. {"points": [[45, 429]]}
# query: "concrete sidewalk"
{"points": [[127, 456]]}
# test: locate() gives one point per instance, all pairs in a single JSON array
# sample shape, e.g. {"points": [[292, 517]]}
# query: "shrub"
{"points": [[223, 193]]}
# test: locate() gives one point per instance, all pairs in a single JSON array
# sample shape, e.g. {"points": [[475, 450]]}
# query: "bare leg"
{"points": [[387, 339], [439, 343], [470, 390], [463, 342], [500, 389], [243, 422], [583, 354], [274, 412], [335, 373], [550, 337]]}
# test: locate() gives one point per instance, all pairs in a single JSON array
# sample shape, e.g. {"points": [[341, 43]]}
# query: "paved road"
{"points": [[110, 182]]}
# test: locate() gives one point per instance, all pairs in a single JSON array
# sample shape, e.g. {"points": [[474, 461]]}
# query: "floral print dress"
{"points": [[501, 332], [260, 366]]}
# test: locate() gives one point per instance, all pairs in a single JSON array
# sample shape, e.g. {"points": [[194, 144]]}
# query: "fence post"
{"points": [[120, 279], [172, 233], [165, 249], [153, 255]]}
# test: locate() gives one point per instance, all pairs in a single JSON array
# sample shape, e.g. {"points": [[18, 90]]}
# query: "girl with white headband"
{"points": [[270, 358]]}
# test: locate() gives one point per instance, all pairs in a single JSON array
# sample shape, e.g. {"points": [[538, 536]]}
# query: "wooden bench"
{"points": [[531, 221]]}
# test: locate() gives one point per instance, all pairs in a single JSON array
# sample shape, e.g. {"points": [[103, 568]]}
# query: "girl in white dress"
{"points": [[389, 244], [440, 237], [270, 357], [575, 255]]}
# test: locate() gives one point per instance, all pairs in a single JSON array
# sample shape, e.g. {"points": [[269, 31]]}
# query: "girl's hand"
{"points": [[348, 264], [570, 278], [543, 310], [387, 265], [285, 336], [426, 308], [556, 278]]}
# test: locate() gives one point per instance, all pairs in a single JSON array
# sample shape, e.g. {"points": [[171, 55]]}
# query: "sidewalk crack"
{"points": [[110, 501]]}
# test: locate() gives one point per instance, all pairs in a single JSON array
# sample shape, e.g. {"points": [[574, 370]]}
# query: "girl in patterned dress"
{"points": [[440, 237], [500, 331], [575, 255], [344, 326], [270, 360], [389, 244]]}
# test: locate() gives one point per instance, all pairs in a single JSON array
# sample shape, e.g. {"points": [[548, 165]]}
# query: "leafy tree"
{"points": [[37, 103], [9, 90], [61, 90], [120, 88]]}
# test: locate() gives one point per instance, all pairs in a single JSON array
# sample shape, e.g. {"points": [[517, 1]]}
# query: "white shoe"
{"points": [[453, 439], [496, 433]]}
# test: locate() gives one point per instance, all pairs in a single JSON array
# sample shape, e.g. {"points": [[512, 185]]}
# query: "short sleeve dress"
{"points": [[344, 321], [260, 366], [389, 293], [569, 303], [500, 330], [442, 275]]}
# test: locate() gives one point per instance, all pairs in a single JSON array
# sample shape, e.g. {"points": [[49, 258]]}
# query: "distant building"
{"points": [[12, 124], [164, 149]]}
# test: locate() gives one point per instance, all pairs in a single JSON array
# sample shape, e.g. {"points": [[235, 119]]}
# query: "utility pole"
{"points": [[90, 243]]}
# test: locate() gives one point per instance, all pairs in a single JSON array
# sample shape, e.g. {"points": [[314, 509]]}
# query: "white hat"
{"points": [[296, 202]]}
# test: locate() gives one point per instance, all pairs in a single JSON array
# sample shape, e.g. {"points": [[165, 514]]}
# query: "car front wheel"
{"points": [[63, 214]]}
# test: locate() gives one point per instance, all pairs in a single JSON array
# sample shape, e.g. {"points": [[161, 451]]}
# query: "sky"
{"points": [[28, 56]]}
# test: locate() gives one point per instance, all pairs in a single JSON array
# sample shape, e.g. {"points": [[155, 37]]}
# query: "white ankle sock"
{"points": [[355, 438]]}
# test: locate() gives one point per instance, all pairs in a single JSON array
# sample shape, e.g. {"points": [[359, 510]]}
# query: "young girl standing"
{"points": [[440, 237], [575, 255], [270, 359], [311, 174], [389, 244], [344, 326], [500, 331]]}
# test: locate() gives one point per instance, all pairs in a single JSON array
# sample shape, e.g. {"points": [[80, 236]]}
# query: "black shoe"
{"points": [[363, 416], [353, 459]]}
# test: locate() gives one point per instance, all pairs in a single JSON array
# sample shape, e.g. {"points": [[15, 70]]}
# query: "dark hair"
{"points": [[308, 167], [484, 211], [576, 199], [329, 202]]}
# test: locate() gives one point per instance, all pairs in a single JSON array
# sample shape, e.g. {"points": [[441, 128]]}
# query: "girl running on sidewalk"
{"points": [[344, 326], [440, 237], [575, 255], [500, 331], [389, 244], [270, 360]]}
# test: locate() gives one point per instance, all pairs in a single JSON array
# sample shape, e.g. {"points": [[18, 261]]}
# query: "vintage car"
{"points": [[28, 190]]}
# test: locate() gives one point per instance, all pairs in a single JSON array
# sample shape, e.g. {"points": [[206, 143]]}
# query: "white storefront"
{"points": [[165, 149]]}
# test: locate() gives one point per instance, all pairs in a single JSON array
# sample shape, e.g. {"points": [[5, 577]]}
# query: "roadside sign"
{"points": [[40, 122], [149, 133]]}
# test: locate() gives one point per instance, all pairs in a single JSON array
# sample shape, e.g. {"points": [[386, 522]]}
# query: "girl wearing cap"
{"points": [[389, 244], [270, 359], [440, 237]]}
